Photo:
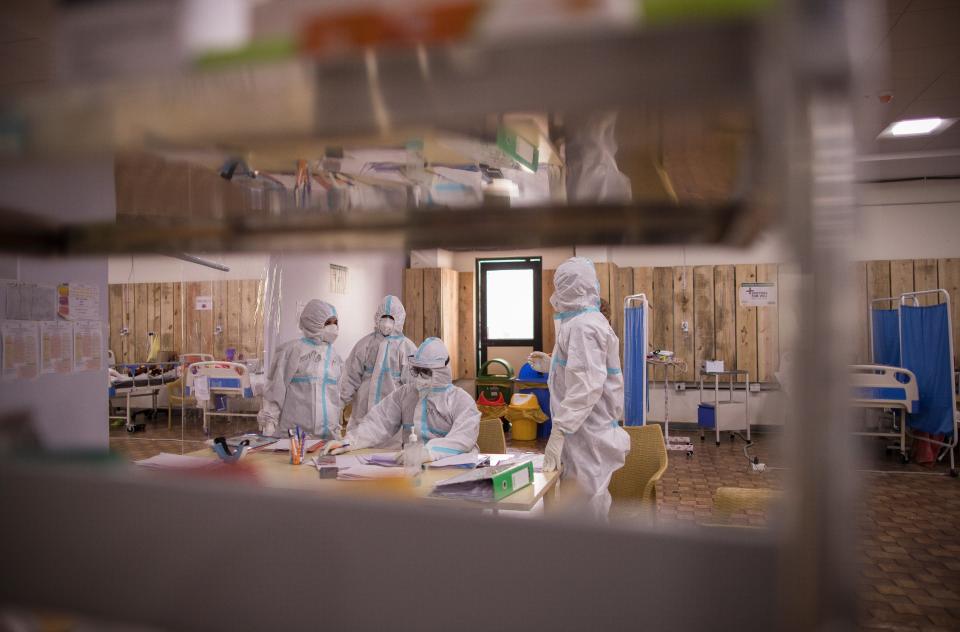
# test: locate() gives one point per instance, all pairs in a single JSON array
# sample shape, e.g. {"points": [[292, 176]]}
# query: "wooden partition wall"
{"points": [[705, 297], [170, 309], [882, 279]]}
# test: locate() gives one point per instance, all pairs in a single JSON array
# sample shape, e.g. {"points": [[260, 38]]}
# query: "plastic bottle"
{"points": [[412, 456]]}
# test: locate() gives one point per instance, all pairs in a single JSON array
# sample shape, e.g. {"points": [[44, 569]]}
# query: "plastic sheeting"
{"points": [[635, 357], [886, 337], [926, 352]]}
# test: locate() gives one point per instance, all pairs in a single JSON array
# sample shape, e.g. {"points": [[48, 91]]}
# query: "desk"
{"points": [[274, 470]]}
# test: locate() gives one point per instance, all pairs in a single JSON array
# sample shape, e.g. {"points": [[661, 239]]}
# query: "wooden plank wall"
{"points": [[431, 297], [168, 310], [883, 279], [705, 297]]}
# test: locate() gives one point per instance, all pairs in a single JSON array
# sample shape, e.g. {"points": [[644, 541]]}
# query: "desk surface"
{"points": [[275, 470]]}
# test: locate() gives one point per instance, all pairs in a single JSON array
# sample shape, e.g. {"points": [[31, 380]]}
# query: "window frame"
{"points": [[482, 266]]}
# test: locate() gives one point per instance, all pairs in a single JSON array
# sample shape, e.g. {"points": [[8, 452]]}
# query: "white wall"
{"points": [[303, 277], [157, 269], [68, 410]]}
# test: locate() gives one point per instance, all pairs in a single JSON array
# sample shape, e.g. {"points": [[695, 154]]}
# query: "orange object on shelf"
{"points": [[427, 24]]}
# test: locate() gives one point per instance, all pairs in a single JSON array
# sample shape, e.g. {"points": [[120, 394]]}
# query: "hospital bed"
{"points": [[128, 386], [205, 380], [887, 388]]}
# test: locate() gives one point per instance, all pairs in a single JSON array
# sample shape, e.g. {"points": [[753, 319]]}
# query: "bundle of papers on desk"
{"points": [[168, 461], [382, 459], [283, 445], [353, 467]]}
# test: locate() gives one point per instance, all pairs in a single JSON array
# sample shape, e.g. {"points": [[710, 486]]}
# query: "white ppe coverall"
{"points": [[586, 384], [303, 385], [444, 417], [375, 368]]}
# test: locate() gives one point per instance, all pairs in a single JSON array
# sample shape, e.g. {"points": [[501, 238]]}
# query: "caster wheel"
{"points": [[953, 473], [756, 460], [703, 438], [718, 444], [904, 459], [131, 429], [732, 438], [690, 456]]}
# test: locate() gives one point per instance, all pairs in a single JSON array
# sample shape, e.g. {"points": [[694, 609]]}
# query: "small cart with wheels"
{"points": [[723, 415], [679, 444]]}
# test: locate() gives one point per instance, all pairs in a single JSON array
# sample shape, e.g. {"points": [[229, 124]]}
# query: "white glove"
{"points": [[539, 361], [337, 447], [551, 458], [268, 427]]}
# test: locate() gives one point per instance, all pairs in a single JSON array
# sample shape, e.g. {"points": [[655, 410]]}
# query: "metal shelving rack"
{"points": [[794, 65]]}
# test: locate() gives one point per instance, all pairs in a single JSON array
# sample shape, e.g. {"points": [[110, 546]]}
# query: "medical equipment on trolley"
{"points": [[636, 333], [727, 414], [205, 380]]}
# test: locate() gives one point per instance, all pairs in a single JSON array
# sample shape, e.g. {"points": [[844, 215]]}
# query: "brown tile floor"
{"points": [[908, 521]]}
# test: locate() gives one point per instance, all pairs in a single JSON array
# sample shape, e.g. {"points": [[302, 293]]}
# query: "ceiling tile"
{"points": [[897, 6], [949, 139], [922, 29], [944, 108], [947, 86], [924, 62], [926, 5]]}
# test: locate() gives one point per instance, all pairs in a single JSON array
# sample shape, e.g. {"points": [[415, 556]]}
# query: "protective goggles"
{"points": [[418, 372]]}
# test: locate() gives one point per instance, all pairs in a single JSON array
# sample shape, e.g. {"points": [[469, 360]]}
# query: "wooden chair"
{"points": [[490, 439], [175, 397], [645, 464]]}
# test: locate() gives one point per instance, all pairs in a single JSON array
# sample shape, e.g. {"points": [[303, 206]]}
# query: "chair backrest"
{"points": [[645, 464], [490, 439]]}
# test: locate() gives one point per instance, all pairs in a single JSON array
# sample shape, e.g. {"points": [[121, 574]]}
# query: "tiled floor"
{"points": [[908, 521]]}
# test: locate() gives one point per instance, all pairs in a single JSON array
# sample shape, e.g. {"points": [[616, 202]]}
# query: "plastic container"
{"points": [[488, 382], [523, 430], [535, 383]]}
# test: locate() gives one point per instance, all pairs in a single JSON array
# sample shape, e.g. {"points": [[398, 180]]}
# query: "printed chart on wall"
{"points": [[79, 301], [87, 345], [758, 294], [21, 350], [56, 347]]}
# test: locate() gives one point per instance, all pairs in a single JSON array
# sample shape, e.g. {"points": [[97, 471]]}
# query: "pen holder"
{"points": [[295, 457]]}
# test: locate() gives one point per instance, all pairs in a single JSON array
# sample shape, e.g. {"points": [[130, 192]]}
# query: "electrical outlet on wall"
{"points": [[685, 327]]}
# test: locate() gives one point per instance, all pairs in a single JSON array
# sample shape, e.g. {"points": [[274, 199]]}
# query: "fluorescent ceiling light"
{"points": [[916, 127]]}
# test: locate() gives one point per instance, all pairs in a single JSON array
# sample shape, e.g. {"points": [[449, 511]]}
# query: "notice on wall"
{"points": [[201, 388], [56, 347], [87, 346], [79, 301], [204, 304], [11, 301], [758, 294], [43, 302], [21, 350]]}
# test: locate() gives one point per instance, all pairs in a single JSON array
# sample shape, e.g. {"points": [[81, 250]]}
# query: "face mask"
{"points": [[329, 333], [385, 326], [422, 383]]}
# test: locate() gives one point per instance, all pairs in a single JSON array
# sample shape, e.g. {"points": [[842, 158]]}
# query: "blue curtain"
{"points": [[886, 337], [926, 352], [634, 357]]}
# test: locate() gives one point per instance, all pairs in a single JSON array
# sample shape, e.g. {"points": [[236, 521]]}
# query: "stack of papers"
{"points": [[363, 472], [537, 458], [457, 460], [382, 459], [283, 445], [168, 461]]}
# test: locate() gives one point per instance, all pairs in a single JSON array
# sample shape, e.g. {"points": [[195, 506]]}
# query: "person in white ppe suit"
{"points": [[586, 387], [376, 367], [443, 416], [303, 385]]}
